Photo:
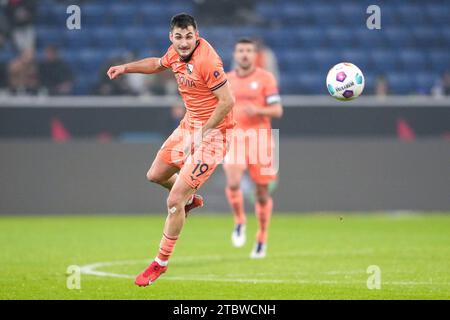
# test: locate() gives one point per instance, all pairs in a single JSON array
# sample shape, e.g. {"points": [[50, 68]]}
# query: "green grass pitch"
{"points": [[310, 256]]}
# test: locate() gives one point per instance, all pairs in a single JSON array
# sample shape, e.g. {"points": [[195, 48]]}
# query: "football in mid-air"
{"points": [[345, 81]]}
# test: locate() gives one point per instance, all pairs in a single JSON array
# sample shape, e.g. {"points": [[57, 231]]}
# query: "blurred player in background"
{"points": [[183, 165], [257, 101]]}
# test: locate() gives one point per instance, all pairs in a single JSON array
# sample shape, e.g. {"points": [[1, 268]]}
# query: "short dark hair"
{"points": [[245, 41], [183, 21]]}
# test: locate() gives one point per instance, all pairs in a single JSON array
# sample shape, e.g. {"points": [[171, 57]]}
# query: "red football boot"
{"points": [[149, 275], [197, 201]]}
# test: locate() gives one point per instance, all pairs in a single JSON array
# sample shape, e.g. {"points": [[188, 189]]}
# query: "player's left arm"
{"points": [[273, 107], [216, 80], [224, 105], [273, 111]]}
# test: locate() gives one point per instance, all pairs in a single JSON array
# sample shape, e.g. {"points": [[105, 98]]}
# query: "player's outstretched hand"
{"points": [[251, 110], [115, 71]]}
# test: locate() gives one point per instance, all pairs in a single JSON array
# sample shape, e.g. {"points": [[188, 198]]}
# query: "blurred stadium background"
{"points": [[73, 142], [409, 53], [388, 150]]}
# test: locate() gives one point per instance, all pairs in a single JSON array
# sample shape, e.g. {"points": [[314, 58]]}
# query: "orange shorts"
{"points": [[253, 149], [196, 163]]}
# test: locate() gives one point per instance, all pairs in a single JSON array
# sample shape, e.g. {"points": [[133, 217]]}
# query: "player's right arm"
{"points": [[147, 66]]}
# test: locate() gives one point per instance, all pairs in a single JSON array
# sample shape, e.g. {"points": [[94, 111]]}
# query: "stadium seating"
{"points": [[412, 49]]}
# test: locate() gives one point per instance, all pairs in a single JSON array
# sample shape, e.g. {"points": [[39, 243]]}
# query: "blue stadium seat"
{"points": [[311, 83], [311, 37], [370, 38], [174, 7], [281, 38], [296, 61], [308, 38], [155, 14], [85, 83], [106, 37], [340, 37], [427, 36], [295, 14], [401, 83], [411, 14], [48, 36], [251, 32], [70, 56], [438, 13], [385, 61], [94, 14], [218, 35], [445, 33], [44, 15], [389, 14], [7, 53], [90, 60], [268, 11], [440, 60], [77, 38], [289, 84], [145, 52], [425, 81], [369, 82], [325, 59], [56, 14], [360, 58], [399, 37], [413, 60], [352, 14], [324, 14], [115, 53], [134, 37], [123, 14]]}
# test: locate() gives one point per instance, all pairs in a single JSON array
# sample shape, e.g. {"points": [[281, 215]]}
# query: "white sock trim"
{"points": [[162, 263]]}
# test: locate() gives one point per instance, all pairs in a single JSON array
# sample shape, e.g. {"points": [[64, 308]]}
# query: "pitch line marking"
{"points": [[91, 269]]}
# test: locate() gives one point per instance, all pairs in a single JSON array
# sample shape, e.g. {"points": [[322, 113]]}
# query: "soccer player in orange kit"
{"points": [[257, 101], [191, 153]]}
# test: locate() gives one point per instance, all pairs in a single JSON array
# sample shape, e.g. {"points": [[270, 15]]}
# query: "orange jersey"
{"points": [[258, 89], [197, 78]]}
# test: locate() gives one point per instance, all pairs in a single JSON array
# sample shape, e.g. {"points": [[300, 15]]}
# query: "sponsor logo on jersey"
{"points": [[189, 68], [183, 81]]}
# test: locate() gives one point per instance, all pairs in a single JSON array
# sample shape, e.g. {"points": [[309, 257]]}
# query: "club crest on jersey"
{"points": [[254, 85], [189, 68]]}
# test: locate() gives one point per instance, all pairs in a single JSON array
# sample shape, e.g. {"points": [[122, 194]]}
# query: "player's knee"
{"points": [[175, 203], [233, 186], [262, 199], [262, 195], [152, 177]]}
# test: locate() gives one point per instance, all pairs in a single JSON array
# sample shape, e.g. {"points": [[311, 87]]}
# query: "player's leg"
{"points": [[262, 172], [233, 192], [168, 162], [263, 211], [263, 207], [180, 193], [194, 172], [162, 173], [178, 197]]}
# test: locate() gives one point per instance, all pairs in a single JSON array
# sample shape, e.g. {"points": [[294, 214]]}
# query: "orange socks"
{"points": [[166, 248], [236, 201], [263, 214]]}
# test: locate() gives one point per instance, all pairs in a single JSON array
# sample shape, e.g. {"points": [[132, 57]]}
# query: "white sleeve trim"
{"points": [[272, 99]]}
